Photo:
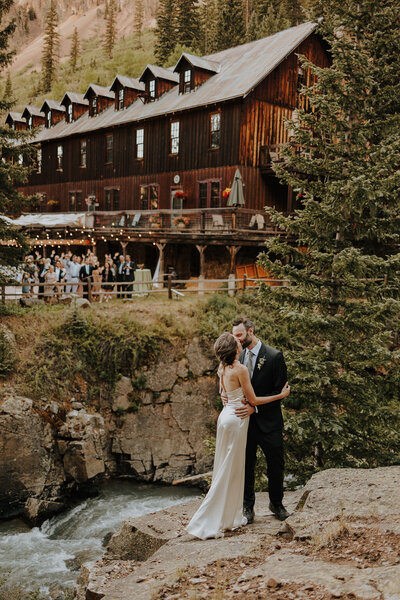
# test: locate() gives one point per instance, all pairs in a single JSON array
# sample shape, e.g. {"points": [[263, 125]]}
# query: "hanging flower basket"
{"points": [[155, 221], [180, 194], [226, 192], [181, 222]]}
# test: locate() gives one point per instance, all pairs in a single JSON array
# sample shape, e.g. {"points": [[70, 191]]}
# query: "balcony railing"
{"points": [[206, 221]]}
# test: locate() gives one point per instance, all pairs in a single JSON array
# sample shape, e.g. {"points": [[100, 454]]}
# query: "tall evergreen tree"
{"points": [[208, 33], [138, 22], [187, 23], [341, 311], [8, 90], [109, 41], [165, 30], [74, 53], [12, 173], [50, 48], [230, 24]]}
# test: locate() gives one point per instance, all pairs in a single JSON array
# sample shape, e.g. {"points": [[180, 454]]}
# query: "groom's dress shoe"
{"points": [[279, 511], [249, 514]]}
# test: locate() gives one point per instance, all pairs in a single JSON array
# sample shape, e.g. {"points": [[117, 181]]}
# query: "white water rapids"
{"points": [[43, 557]]}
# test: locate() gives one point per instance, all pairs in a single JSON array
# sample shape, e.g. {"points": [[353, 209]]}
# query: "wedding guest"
{"points": [[129, 275], [120, 276], [50, 279], [85, 275], [108, 278]]}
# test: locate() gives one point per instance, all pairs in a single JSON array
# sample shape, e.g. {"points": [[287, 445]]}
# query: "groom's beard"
{"points": [[246, 342]]}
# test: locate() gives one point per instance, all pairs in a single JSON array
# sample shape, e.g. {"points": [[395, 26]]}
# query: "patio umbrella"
{"points": [[236, 197]]}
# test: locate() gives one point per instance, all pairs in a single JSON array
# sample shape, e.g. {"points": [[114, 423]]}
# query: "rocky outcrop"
{"points": [[342, 540], [152, 429]]}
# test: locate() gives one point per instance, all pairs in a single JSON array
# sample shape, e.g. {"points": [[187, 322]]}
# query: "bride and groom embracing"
{"points": [[252, 383]]}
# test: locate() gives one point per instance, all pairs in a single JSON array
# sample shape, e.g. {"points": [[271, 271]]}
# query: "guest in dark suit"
{"points": [[268, 375], [129, 274], [85, 275], [120, 276]]}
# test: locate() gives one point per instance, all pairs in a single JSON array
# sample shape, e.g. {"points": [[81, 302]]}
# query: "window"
{"points": [[112, 199], [174, 139], [75, 201], [149, 196], [38, 160], [109, 148], [215, 130], [152, 89], [30, 122], [94, 106], [121, 99], [139, 143], [49, 118], [60, 156], [70, 113], [187, 81], [209, 194], [83, 153]]}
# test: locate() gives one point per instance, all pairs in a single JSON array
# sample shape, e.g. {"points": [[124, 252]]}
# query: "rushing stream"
{"points": [[48, 557]]}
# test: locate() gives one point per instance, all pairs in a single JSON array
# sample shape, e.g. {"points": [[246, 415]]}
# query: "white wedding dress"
{"points": [[222, 508]]}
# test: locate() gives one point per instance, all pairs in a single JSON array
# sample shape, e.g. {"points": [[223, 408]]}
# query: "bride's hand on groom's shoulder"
{"points": [[286, 389]]}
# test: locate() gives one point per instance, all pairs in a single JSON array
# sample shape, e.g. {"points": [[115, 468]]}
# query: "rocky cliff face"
{"points": [[156, 433]]}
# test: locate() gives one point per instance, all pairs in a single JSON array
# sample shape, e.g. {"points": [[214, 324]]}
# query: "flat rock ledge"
{"points": [[342, 540]]}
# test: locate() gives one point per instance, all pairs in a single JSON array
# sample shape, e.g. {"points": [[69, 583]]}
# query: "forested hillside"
{"points": [[68, 45]]}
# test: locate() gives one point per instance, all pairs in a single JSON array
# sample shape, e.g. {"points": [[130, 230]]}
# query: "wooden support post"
{"points": [[161, 247], [233, 250], [201, 250], [289, 199], [89, 289], [170, 286], [244, 282], [3, 294], [124, 245]]}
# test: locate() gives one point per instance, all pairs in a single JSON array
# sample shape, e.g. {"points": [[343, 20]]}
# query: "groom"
{"points": [[268, 376]]}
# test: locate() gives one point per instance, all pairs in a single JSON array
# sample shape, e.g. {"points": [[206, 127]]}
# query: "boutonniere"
{"points": [[261, 363]]}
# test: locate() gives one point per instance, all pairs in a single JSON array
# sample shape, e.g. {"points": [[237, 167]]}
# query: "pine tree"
{"points": [[340, 314], [165, 30], [208, 34], [12, 174], [50, 48], [8, 91], [138, 23], [74, 53], [109, 41], [230, 24], [187, 24]]}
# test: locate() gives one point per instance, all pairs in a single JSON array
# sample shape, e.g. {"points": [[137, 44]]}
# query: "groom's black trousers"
{"points": [[272, 445]]}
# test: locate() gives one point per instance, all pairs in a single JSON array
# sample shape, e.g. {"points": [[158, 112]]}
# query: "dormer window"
{"points": [[152, 89], [49, 118], [70, 113], [30, 122], [94, 106], [121, 99], [187, 81]]}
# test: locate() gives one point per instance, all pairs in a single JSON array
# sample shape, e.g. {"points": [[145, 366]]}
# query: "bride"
{"points": [[222, 508]]}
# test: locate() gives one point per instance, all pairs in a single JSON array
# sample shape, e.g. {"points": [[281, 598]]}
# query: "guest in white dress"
{"points": [[222, 508]]}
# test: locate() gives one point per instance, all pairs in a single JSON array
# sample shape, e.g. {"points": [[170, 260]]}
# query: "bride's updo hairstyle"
{"points": [[225, 348]]}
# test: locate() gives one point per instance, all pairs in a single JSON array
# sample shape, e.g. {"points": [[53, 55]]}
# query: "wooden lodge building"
{"points": [[137, 156]]}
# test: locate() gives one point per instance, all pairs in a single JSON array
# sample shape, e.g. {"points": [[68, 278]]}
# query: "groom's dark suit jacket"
{"points": [[269, 377]]}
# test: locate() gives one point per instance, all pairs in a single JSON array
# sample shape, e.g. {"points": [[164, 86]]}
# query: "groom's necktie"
{"points": [[248, 362]]}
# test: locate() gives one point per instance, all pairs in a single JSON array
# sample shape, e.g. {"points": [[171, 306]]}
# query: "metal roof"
{"points": [[160, 73], [201, 63], [74, 98], [242, 69], [15, 116], [33, 111], [52, 105], [128, 82], [99, 90]]}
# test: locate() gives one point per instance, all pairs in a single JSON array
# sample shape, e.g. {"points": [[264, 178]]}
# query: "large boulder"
{"points": [[29, 469]]}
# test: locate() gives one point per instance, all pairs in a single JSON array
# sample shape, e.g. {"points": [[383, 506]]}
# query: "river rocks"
{"points": [[359, 560], [29, 470]]}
